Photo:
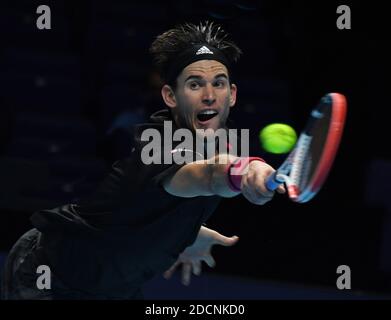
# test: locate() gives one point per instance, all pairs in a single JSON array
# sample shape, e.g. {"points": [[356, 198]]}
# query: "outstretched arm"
{"points": [[210, 177]]}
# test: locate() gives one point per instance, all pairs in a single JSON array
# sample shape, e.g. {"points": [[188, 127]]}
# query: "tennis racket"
{"points": [[307, 166]]}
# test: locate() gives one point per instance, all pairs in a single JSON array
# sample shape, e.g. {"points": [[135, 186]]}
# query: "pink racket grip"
{"points": [[273, 182]]}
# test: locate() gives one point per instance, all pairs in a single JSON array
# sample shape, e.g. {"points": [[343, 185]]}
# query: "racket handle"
{"points": [[273, 181]]}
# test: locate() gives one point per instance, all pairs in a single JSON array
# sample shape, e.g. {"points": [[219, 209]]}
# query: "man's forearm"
{"points": [[202, 178], [215, 176], [219, 184]]}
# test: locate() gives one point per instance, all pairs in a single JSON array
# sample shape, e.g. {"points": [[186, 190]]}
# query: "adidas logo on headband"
{"points": [[195, 52], [203, 50]]}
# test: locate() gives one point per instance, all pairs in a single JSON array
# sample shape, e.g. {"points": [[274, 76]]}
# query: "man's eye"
{"points": [[220, 83], [194, 85]]}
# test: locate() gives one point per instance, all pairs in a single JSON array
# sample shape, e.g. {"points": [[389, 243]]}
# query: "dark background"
{"points": [[69, 95]]}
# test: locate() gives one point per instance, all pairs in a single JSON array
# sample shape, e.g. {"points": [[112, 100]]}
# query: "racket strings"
{"points": [[300, 167]]}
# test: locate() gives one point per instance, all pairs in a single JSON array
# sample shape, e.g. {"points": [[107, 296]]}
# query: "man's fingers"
{"points": [[186, 273], [225, 241], [210, 261], [249, 191], [254, 197], [167, 274], [197, 268], [258, 182], [281, 189]]}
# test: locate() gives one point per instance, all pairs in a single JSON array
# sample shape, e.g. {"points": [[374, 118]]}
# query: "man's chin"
{"points": [[211, 125]]}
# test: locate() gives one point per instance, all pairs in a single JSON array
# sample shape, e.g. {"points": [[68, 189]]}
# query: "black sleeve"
{"points": [[131, 193]]}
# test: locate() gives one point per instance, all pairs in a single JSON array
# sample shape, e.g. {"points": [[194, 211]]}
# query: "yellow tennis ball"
{"points": [[278, 138]]}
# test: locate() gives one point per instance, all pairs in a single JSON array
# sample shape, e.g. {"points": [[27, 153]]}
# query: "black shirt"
{"points": [[130, 228]]}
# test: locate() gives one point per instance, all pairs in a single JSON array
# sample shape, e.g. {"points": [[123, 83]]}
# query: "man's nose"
{"points": [[209, 96]]}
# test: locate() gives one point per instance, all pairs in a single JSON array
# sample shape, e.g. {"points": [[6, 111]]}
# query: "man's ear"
{"points": [[232, 99], [168, 96]]}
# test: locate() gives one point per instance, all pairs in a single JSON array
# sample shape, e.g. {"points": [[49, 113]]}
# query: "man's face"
{"points": [[203, 96]]}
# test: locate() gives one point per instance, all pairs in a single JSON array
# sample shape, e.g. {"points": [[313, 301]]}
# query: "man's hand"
{"points": [[253, 183], [199, 251]]}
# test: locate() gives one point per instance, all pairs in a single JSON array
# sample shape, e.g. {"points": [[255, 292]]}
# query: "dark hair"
{"points": [[168, 45]]}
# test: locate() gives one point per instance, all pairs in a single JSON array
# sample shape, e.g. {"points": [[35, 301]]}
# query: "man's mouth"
{"points": [[206, 115]]}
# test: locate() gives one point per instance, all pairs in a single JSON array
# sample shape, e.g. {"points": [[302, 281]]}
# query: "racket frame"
{"points": [[293, 164]]}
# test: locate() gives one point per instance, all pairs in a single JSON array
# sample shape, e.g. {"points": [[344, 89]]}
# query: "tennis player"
{"points": [[146, 219]]}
